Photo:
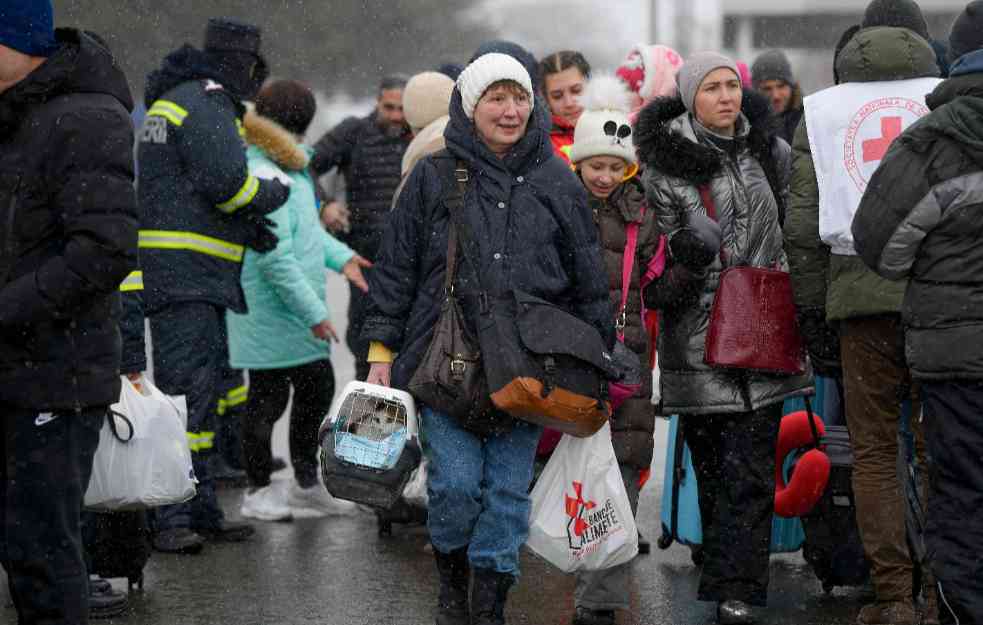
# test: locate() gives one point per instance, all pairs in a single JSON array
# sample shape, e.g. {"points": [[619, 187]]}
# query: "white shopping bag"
{"points": [[143, 459], [581, 518], [416, 489]]}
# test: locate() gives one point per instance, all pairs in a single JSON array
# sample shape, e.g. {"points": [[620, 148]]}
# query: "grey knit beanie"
{"points": [[695, 69], [772, 65], [898, 14]]}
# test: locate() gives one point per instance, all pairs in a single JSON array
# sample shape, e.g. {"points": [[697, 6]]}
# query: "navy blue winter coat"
{"points": [[531, 230]]}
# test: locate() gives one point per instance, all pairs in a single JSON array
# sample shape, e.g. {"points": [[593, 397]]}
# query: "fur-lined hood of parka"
{"points": [[276, 141], [661, 147]]}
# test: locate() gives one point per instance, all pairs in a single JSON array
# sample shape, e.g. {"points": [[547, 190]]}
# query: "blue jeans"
{"points": [[479, 490]]}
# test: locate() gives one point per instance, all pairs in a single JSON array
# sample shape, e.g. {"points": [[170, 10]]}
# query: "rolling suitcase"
{"points": [[681, 509], [117, 544]]}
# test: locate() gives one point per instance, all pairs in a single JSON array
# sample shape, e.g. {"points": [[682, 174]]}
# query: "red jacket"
{"points": [[561, 136]]}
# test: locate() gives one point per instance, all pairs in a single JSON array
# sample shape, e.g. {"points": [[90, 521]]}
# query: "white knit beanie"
{"points": [[603, 128], [426, 98], [485, 71]]}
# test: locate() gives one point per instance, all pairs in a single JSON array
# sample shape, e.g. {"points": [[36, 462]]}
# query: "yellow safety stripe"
{"points": [[237, 396], [240, 128], [132, 282], [243, 196], [181, 240], [200, 441], [169, 111]]}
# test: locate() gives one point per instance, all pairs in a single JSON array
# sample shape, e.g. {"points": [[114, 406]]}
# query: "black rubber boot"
{"points": [[455, 573], [488, 597], [178, 540], [104, 602]]}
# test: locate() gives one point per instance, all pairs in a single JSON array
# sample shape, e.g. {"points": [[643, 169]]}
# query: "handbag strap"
{"points": [[454, 202], [627, 267], [711, 207]]}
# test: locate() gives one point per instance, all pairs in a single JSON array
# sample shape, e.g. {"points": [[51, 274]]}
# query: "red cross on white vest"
{"points": [[875, 149]]}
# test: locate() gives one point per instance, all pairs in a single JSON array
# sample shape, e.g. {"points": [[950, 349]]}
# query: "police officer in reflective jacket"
{"points": [[199, 209]]}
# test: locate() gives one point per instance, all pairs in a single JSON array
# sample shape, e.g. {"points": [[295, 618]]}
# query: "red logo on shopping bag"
{"points": [[589, 524], [576, 507]]}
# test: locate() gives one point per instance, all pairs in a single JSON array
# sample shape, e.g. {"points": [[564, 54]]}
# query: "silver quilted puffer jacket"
{"points": [[680, 157]]}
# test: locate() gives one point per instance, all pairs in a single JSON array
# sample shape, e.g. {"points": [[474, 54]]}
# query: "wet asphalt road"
{"points": [[338, 571]]}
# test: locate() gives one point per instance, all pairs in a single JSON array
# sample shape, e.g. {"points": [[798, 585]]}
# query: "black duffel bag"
{"points": [[544, 365]]}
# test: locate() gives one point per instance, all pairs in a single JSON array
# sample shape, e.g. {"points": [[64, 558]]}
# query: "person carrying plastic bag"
{"points": [[604, 159], [143, 460]]}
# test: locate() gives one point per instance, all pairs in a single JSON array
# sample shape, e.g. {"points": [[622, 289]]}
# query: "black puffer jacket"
{"points": [[531, 228], [920, 219], [68, 232], [371, 161]]}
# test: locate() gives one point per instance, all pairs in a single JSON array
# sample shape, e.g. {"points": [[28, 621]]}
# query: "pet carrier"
{"points": [[370, 445]]}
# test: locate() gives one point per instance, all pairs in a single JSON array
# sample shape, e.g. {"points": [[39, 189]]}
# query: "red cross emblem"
{"points": [[875, 149]]}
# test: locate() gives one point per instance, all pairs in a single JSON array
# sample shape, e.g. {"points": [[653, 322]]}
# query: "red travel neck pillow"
{"points": [[811, 473]]}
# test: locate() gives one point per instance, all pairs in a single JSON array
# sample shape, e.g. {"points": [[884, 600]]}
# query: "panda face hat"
{"points": [[604, 129]]}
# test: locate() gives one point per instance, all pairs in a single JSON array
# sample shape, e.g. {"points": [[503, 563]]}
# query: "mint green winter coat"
{"points": [[285, 288]]}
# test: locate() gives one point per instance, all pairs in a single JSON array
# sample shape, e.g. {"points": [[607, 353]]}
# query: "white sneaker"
{"points": [[266, 504], [315, 502]]}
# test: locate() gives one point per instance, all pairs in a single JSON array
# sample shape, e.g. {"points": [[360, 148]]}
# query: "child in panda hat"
{"points": [[604, 158]]}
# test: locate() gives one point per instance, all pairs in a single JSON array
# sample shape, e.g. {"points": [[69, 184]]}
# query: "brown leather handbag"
{"points": [[451, 376], [752, 323]]}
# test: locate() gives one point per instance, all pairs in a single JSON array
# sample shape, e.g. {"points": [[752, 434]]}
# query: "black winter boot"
{"points": [[488, 597], [452, 603]]}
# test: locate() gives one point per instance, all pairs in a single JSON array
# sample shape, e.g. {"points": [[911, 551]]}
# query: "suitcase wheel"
{"points": [[696, 554], [665, 541]]}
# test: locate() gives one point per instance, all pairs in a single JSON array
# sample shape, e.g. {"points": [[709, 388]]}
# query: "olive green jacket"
{"points": [[834, 286]]}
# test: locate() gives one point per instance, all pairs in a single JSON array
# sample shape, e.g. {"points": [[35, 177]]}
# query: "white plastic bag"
{"points": [[415, 492], [581, 518], [146, 461]]}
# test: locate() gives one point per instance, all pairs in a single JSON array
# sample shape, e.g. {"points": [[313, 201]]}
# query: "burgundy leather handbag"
{"points": [[752, 323]]}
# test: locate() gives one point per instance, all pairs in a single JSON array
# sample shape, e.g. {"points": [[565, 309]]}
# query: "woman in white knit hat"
{"points": [[716, 177], [523, 224], [604, 157]]}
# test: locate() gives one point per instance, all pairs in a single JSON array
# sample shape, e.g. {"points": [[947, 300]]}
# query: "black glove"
{"points": [[697, 243], [279, 194], [822, 341], [260, 236]]}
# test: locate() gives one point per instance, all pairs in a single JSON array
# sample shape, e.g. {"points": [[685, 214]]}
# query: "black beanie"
{"points": [[967, 31], [226, 35], [897, 13]]}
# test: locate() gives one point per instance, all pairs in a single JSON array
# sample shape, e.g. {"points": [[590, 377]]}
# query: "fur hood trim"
{"points": [[663, 148], [275, 140]]}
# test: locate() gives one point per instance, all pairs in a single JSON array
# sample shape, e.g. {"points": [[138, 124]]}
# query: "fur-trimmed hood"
{"points": [[274, 140], [664, 148]]}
